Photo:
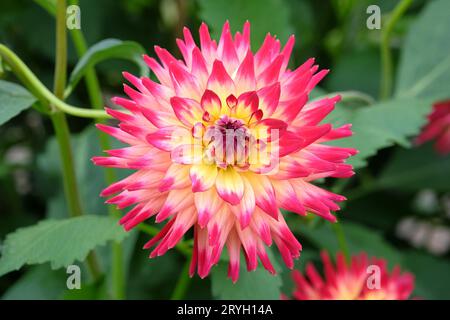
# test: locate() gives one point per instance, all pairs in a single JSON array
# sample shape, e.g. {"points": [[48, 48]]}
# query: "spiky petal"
{"points": [[438, 128], [219, 143], [361, 279]]}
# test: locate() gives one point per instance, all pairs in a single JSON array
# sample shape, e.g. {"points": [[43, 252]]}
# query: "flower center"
{"points": [[225, 123], [227, 142]]}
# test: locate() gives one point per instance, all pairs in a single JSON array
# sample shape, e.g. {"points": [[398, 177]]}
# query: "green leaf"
{"points": [[60, 242], [14, 99], [38, 283], [105, 257], [351, 70], [104, 50], [88, 291], [90, 178], [49, 5], [380, 210], [153, 278], [255, 285], [216, 12], [432, 278], [425, 62], [416, 169], [359, 239], [307, 256], [380, 125]]}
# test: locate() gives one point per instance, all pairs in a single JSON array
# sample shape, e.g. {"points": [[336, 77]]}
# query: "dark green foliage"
{"points": [[37, 237]]}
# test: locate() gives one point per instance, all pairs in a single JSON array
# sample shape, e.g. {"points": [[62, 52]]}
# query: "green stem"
{"points": [[61, 50], [342, 242], [92, 84], [351, 95], [183, 283], [36, 87], [95, 97], [62, 129], [65, 152], [356, 96], [118, 272], [385, 49], [337, 228]]}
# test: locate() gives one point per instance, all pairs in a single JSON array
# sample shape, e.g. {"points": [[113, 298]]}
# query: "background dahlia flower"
{"points": [[224, 139], [351, 281], [438, 128]]}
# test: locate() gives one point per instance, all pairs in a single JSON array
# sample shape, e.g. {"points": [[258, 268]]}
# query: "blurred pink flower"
{"points": [[357, 281], [224, 139], [438, 128]]}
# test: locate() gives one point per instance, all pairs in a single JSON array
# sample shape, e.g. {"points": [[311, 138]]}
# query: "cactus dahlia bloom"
{"points": [[438, 128], [357, 281], [224, 139]]}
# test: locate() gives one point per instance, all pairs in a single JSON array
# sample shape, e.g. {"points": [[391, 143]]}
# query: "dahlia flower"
{"points": [[219, 143], [353, 282], [438, 128]]}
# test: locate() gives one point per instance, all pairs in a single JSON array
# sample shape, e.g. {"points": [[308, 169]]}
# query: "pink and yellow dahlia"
{"points": [[224, 139], [438, 128], [362, 279]]}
